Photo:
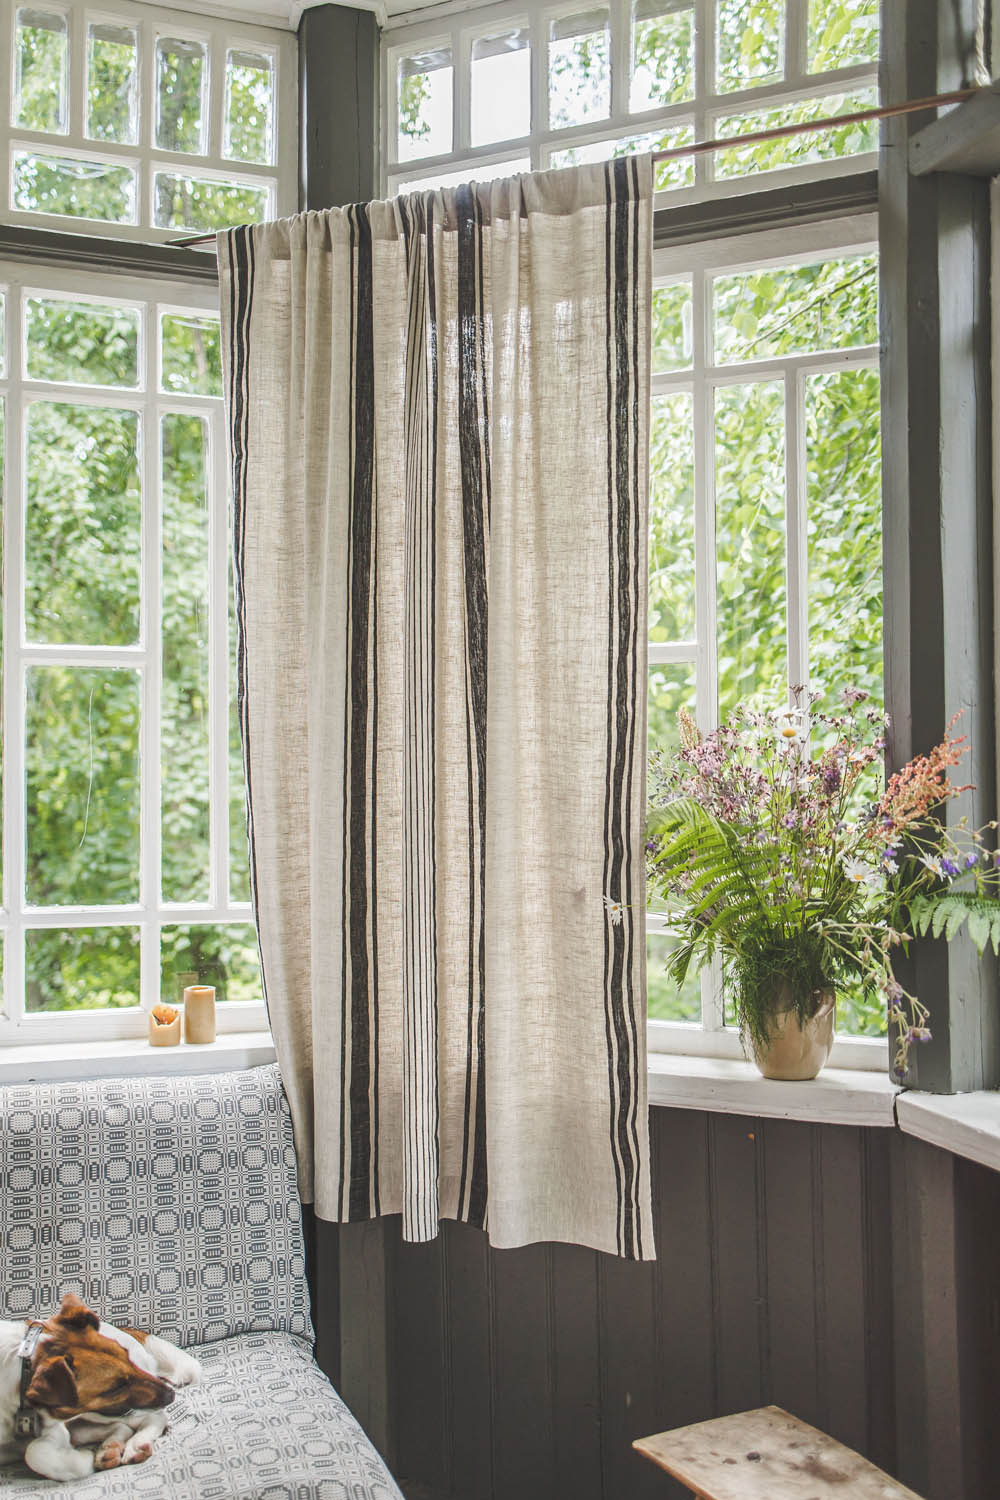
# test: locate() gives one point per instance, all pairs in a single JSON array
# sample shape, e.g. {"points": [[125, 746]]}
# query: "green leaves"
{"points": [[943, 916]]}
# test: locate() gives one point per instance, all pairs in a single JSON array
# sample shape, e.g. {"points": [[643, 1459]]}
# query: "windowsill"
{"points": [[965, 1124], [839, 1096], [117, 1059]]}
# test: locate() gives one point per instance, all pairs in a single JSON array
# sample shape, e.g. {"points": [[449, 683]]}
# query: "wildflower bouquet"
{"points": [[779, 848]]}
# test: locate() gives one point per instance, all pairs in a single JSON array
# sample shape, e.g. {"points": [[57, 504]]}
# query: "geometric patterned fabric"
{"points": [[265, 1424]]}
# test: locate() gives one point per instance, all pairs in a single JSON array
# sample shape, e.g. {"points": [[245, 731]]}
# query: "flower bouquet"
{"points": [[778, 847]]}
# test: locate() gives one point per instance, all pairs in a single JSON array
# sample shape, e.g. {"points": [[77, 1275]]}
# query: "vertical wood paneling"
{"points": [[876, 1198], [840, 1283], [741, 1271], [423, 1436], [794, 1262], [522, 1431], [576, 1373], [467, 1311], [630, 1398], [685, 1267], [978, 1204]]}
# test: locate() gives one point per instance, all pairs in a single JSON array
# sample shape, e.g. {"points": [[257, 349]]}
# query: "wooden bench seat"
{"points": [[767, 1454]]}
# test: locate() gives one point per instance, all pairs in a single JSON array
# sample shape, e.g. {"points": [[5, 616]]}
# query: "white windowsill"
{"points": [[965, 1124], [839, 1096], [135, 1057]]}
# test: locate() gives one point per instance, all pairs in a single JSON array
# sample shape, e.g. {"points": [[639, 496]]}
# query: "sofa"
{"points": [[171, 1204]]}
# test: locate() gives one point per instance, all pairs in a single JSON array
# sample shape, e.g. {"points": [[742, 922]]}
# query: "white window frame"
{"points": [[150, 913], [280, 177], [806, 244], [702, 114]]}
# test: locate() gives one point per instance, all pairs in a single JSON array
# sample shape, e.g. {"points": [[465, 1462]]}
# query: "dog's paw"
{"points": [[187, 1371], [109, 1455], [137, 1450]]}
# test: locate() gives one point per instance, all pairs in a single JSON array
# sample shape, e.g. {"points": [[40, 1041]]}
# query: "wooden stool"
{"points": [[767, 1455]]}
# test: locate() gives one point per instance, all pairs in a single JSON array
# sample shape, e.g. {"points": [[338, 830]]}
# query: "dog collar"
{"points": [[27, 1418]]}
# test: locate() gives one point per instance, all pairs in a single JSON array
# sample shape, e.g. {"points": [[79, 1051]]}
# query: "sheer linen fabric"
{"points": [[438, 419]]}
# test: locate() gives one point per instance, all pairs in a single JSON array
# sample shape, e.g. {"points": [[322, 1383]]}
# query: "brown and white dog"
{"points": [[94, 1395]]}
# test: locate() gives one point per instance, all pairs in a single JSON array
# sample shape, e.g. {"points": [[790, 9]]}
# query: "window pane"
{"points": [[3, 334], [81, 968], [797, 150], [579, 69], [82, 525], [671, 518], [190, 354], [41, 82], [425, 105], [239, 853], [184, 703], [249, 134], [86, 343], [181, 88], [202, 203], [750, 541], [112, 83], [662, 53], [843, 460], [796, 309], [3, 457], [667, 1002], [82, 786], [79, 189], [474, 172], [501, 87], [842, 34], [750, 38], [224, 956], [677, 173], [671, 688], [672, 333]]}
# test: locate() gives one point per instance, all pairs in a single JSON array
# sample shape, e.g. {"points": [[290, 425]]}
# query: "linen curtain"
{"points": [[438, 424]]}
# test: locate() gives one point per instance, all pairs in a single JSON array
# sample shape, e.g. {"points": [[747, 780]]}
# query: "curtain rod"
{"points": [[699, 148]]}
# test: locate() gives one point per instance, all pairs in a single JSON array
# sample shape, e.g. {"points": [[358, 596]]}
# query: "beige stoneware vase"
{"points": [[797, 1052]]}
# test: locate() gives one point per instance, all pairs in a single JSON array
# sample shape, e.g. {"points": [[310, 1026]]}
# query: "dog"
{"points": [[77, 1394]]}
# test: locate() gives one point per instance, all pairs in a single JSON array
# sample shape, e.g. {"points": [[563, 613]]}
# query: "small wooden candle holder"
{"points": [[164, 1026], [199, 1014]]}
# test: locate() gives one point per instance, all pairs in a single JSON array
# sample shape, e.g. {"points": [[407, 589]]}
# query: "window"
{"points": [[535, 87], [151, 121], [124, 853]]}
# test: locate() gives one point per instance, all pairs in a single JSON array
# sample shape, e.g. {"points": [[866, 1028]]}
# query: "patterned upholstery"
{"points": [[171, 1204], [167, 1203], [264, 1425]]}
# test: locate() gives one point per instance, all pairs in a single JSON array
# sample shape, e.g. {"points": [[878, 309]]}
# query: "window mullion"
{"points": [[796, 533], [218, 667], [13, 670], [149, 731], [796, 62]]}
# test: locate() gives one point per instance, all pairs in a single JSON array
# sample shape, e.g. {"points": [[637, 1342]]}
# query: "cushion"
{"points": [[265, 1424], [165, 1203]]}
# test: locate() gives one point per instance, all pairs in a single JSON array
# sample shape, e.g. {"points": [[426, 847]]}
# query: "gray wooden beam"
{"points": [[101, 252], [937, 500], [366, 1260], [775, 208], [966, 139], [338, 106]]}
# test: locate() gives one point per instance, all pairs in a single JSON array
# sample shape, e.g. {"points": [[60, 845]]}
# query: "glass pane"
{"points": [[202, 203], [249, 133], [501, 87], [796, 309], [671, 688], [667, 1002], [672, 327], [112, 83], [41, 46], [82, 786], [750, 541], [239, 852], [82, 525], [676, 173], [190, 354], [3, 334], [797, 150], [843, 464], [87, 343], [662, 53], [223, 956], [184, 749], [579, 69], [842, 34], [73, 187], [425, 105], [750, 36], [671, 518], [181, 89], [81, 968], [3, 456], [474, 172]]}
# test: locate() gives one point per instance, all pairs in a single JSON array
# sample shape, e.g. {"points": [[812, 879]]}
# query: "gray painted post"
{"points": [[338, 106], [937, 499]]}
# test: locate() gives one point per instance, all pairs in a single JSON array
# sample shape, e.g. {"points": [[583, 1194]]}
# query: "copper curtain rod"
{"points": [[700, 148]]}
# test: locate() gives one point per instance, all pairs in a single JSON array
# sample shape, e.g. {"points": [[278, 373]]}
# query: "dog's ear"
{"points": [[76, 1314], [52, 1384]]}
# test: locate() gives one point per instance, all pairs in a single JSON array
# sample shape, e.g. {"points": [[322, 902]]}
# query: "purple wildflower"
{"points": [[971, 860], [831, 778], [949, 867]]}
